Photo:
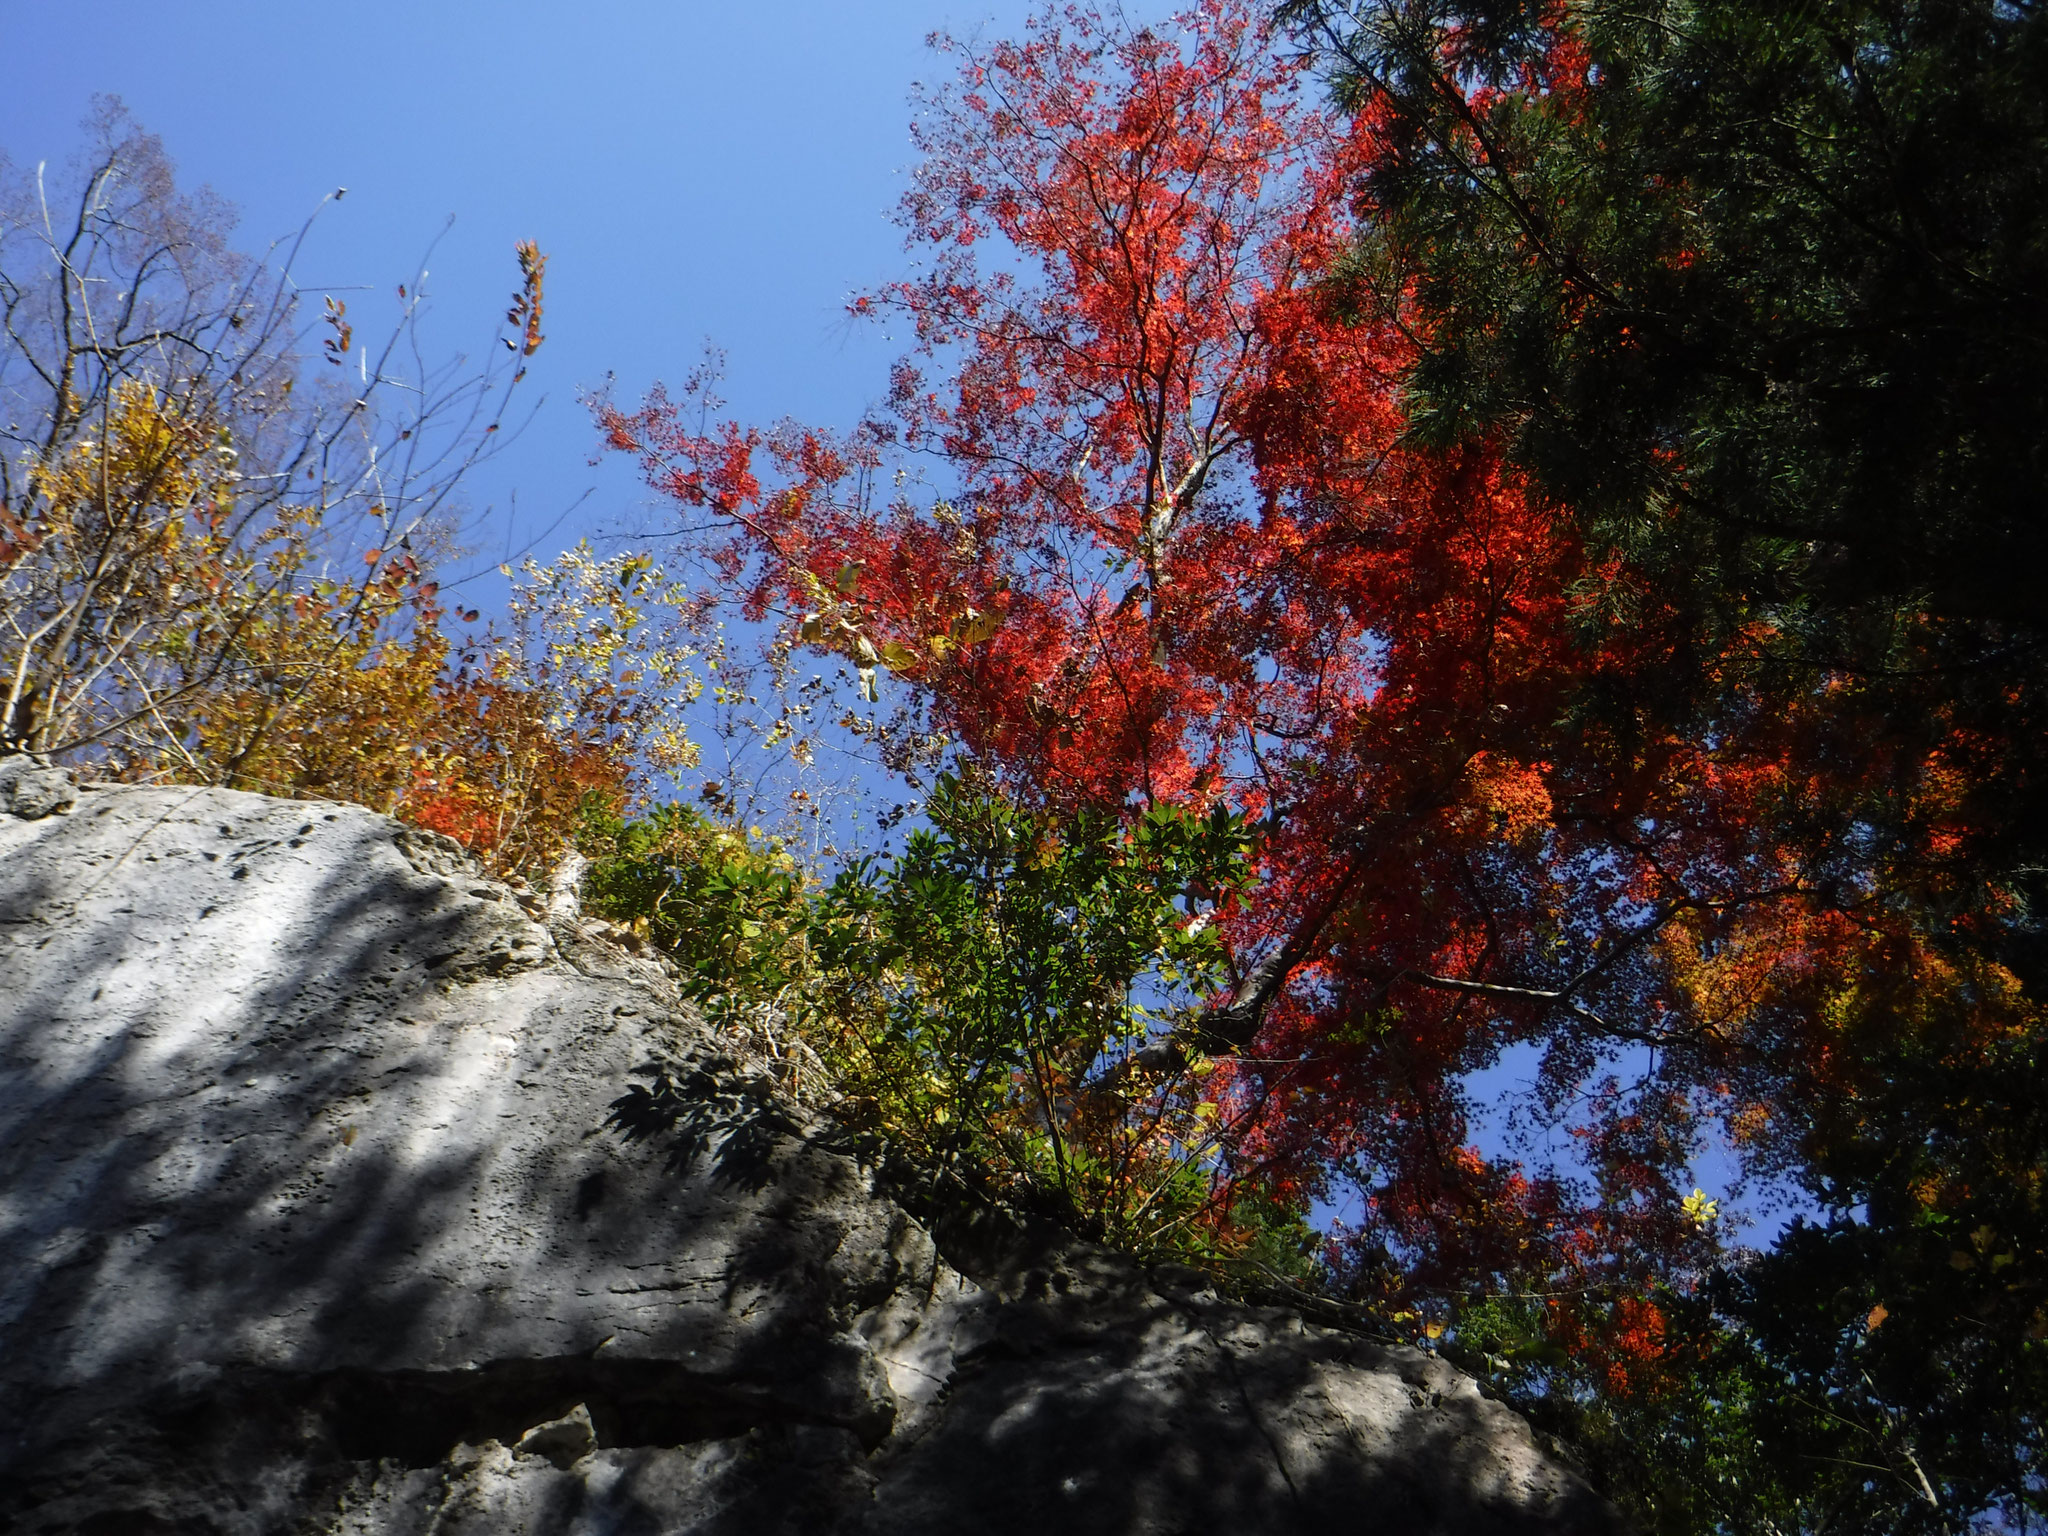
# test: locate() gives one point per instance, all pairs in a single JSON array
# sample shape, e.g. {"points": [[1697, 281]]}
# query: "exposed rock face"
{"points": [[31, 789], [310, 1221]]}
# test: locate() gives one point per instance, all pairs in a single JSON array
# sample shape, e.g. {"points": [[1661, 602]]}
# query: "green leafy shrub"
{"points": [[982, 999], [732, 911]]}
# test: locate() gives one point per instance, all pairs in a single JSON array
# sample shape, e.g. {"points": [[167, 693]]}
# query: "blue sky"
{"points": [[694, 171]]}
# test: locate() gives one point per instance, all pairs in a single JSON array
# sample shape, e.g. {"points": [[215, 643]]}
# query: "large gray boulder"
{"points": [[311, 1219]]}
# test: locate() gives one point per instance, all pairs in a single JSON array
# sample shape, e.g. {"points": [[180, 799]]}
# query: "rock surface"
{"points": [[311, 1220]]}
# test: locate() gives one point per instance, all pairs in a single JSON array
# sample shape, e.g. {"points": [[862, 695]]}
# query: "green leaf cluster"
{"points": [[982, 998], [731, 911]]}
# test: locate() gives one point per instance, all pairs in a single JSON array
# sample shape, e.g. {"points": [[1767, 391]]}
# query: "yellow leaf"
{"points": [[975, 626], [898, 657]]}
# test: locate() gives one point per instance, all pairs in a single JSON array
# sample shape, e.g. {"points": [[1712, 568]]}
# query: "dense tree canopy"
{"points": [[1752, 288], [1753, 295], [1574, 498]]}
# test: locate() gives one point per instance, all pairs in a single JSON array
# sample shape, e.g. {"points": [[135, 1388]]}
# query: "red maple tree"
{"points": [[1184, 554]]}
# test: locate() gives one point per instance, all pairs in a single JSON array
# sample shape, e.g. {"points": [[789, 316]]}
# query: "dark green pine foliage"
{"points": [[1756, 294], [1760, 290]]}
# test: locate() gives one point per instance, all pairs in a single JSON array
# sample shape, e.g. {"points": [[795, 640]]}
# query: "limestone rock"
{"points": [[314, 1217], [563, 1442], [32, 789]]}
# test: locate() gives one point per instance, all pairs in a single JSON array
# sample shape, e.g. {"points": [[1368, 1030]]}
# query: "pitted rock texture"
{"points": [[32, 789], [311, 1220]]}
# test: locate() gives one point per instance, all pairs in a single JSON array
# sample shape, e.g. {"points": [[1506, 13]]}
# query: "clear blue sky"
{"points": [[693, 170]]}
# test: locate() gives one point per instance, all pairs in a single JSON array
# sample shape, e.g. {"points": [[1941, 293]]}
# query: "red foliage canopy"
{"points": [[1184, 554]]}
